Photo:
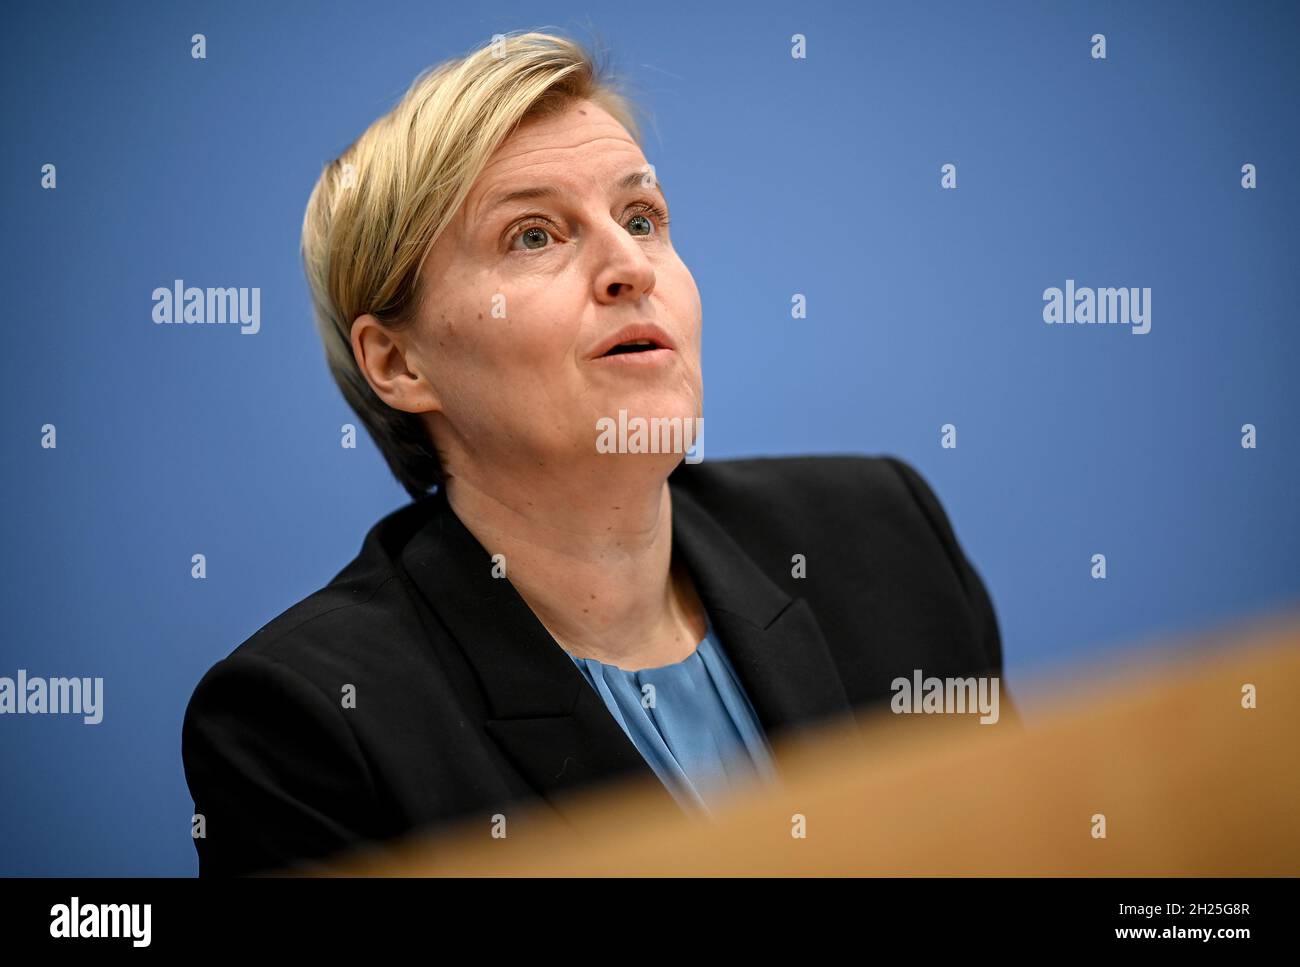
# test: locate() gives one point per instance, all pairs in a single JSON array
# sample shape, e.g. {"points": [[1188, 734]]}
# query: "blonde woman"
{"points": [[563, 602]]}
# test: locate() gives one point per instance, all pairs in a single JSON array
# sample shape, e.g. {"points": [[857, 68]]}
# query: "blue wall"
{"points": [[818, 176]]}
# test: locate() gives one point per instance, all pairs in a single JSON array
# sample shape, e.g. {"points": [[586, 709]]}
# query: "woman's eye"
{"points": [[638, 221], [533, 237]]}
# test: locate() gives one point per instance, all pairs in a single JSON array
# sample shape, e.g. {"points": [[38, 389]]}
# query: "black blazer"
{"points": [[465, 704]]}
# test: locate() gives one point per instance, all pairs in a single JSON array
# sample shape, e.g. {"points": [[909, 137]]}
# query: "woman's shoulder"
{"points": [[808, 486], [876, 517], [364, 614], [867, 511]]}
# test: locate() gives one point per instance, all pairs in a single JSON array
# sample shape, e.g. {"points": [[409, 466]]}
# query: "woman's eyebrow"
{"points": [[630, 180]]}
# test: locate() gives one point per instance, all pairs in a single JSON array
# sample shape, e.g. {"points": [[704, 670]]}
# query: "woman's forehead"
{"points": [[600, 164], [584, 132]]}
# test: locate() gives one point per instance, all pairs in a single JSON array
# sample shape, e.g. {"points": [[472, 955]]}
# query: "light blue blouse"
{"points": [[691, 721]]}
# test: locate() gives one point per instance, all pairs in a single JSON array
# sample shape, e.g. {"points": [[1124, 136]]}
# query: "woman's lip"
{"points": [[646, 357], [636, 332]]}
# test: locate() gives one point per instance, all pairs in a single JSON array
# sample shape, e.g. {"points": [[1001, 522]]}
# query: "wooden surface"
{"points": [[1189, 781]]}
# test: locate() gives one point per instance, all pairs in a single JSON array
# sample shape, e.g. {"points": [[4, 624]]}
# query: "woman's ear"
{"points": [[389, 361]]}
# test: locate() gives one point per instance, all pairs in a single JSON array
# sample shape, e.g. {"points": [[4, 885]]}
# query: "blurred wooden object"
{"points": [[1189, 782]]}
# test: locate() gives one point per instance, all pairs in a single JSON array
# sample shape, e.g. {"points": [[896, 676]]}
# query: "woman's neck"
{"points": [[595, 566]]}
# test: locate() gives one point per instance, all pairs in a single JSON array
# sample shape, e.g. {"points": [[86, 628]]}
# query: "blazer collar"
{"points": [[543, 713]]}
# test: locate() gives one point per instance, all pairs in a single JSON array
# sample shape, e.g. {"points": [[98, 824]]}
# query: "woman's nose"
{"points": [[625, 270]]}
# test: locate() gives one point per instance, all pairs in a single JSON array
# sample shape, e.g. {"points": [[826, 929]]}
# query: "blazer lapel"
{"points": [[550, 723], [772, 640], [546, 718]]}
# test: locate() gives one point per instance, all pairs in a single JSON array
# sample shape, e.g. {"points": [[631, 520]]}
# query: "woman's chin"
{"points": [[653, 426], [677, 400]]}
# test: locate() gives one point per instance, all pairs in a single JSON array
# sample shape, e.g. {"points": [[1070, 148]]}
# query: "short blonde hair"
{"points": [[380, 205]]}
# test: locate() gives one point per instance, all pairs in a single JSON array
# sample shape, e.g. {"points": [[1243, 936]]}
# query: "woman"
{"points": [[495, 281]]}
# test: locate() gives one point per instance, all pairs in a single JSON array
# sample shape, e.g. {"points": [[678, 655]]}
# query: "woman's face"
{"points": [[522, 296]]}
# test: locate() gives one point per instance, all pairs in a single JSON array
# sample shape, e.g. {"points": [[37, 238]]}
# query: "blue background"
{"points": [[818, 176]]}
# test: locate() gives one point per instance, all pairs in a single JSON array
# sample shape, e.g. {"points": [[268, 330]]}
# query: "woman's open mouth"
{"points": [[639, 353], [640, 346], [637, 344]]}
